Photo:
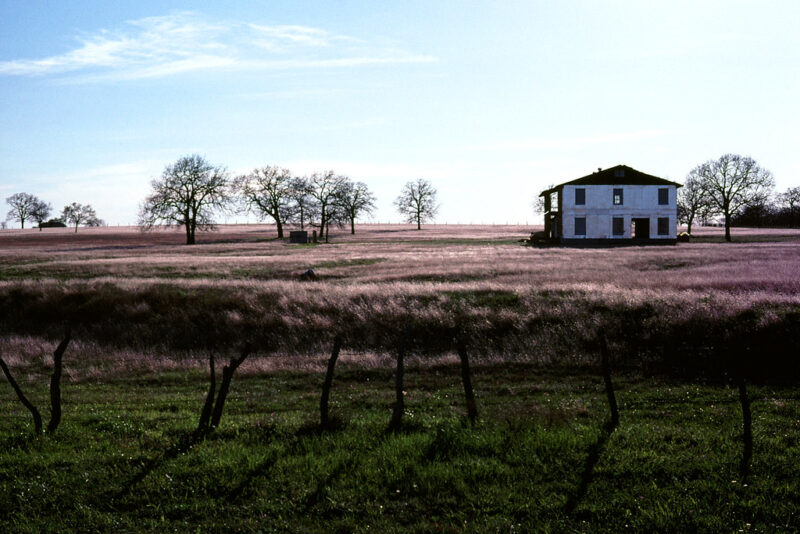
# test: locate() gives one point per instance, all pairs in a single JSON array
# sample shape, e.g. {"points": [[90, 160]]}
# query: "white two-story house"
{"points": [[612, 206]]}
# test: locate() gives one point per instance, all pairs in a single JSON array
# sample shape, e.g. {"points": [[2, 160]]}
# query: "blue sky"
{"points": [[491, 101]]}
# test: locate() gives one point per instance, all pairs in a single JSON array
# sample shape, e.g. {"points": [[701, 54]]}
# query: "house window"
{"points": [[618, 225], [663, 196], [663, 226], [580, 196], [580, 225], [618, 197]]}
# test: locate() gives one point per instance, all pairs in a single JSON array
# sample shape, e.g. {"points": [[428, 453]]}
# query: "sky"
{"points": [[491, 101]]}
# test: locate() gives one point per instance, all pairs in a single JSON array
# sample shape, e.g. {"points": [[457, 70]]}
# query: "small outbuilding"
{"points": [[612, 206]]}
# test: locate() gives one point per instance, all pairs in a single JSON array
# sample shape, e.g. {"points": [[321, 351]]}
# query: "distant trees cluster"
{"points": [[740, 191], [781, 210], [726, 187], [191, 191], [27, 207]]}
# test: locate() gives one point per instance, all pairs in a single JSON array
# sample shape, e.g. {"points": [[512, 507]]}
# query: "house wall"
{"points": [[639, 201]]}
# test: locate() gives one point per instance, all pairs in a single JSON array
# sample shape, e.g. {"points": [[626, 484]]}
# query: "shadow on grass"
{"points": [[318, 494], [184, 444], [314, 428], [595, 451], [259, 471]]}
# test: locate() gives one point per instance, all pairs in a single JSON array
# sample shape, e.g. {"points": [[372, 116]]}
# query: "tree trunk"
{"points": [[76, 228], [472, 410], [37, 417], [612, 400], [352, 225], [55, 385], [727, 226], [280, 228], [326, 386]]}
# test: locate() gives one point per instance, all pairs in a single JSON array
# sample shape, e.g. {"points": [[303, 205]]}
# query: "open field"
{"points": [[146, 292], [146, 312]]}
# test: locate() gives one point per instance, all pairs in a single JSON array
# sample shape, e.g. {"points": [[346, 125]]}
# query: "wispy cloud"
{"points": [[565, 143], [155, 47]]}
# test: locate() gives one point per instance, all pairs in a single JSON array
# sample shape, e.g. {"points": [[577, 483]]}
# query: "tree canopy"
{"points": [[732, 183], [78, 214], [417, 202], [267, 192], [25, 206], [188, 194], [354, 200]]}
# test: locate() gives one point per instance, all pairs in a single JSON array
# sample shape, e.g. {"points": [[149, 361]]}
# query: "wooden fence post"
{"points": [[227, 375], [326, 386], [399, 405], [472, 410], [55, 384], [205, 415], [37, 417], [612, 400], [747, 428]]}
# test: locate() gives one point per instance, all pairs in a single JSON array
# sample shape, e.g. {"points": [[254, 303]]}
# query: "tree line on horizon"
{"points": [[27, 207], [191, 191]]}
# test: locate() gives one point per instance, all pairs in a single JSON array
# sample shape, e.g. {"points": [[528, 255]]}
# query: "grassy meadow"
{"points": [[146, 312]]}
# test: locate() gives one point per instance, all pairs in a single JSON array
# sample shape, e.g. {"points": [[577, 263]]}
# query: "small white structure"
{"points": [[612, 206]]}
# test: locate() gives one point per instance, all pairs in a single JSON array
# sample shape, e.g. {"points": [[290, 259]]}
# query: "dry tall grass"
{"points": [[147, 293]]}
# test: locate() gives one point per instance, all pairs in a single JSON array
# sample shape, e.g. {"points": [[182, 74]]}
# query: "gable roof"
{"points": [[619, 175]]}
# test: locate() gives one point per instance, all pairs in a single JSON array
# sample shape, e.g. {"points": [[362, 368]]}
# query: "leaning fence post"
{"points": [[37, 417], [612, 400], [227, 375], [399, 405], [472, 410], [55, 384], [205, 415], [326, 386]]}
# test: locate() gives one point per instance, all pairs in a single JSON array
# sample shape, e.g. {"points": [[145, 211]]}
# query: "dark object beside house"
{"points": [[298, 236], [684, 237], [52, 223], [540, 239]]}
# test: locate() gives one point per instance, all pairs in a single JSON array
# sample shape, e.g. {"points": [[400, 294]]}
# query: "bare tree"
{"points": [[324, 188], [40, 212], [268, 193], [417, 202], [355, 199], [303, 204], [790, 199], [538, 202], [187, 194], [79, 214], [732, 183], [692, 200], [23, 207]]}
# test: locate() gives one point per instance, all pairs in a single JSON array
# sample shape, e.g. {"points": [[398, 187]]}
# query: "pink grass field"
{"points": [[386, 271], [766, 261]]}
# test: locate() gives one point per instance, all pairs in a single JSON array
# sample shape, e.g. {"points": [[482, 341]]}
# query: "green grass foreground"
{"points": [[538, 459]]}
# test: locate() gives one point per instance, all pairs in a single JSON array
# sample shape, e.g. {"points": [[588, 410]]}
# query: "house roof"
{"points": [[619, 175]]}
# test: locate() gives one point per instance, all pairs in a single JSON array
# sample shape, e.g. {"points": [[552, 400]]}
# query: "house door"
{"points": [[641, 228]]}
